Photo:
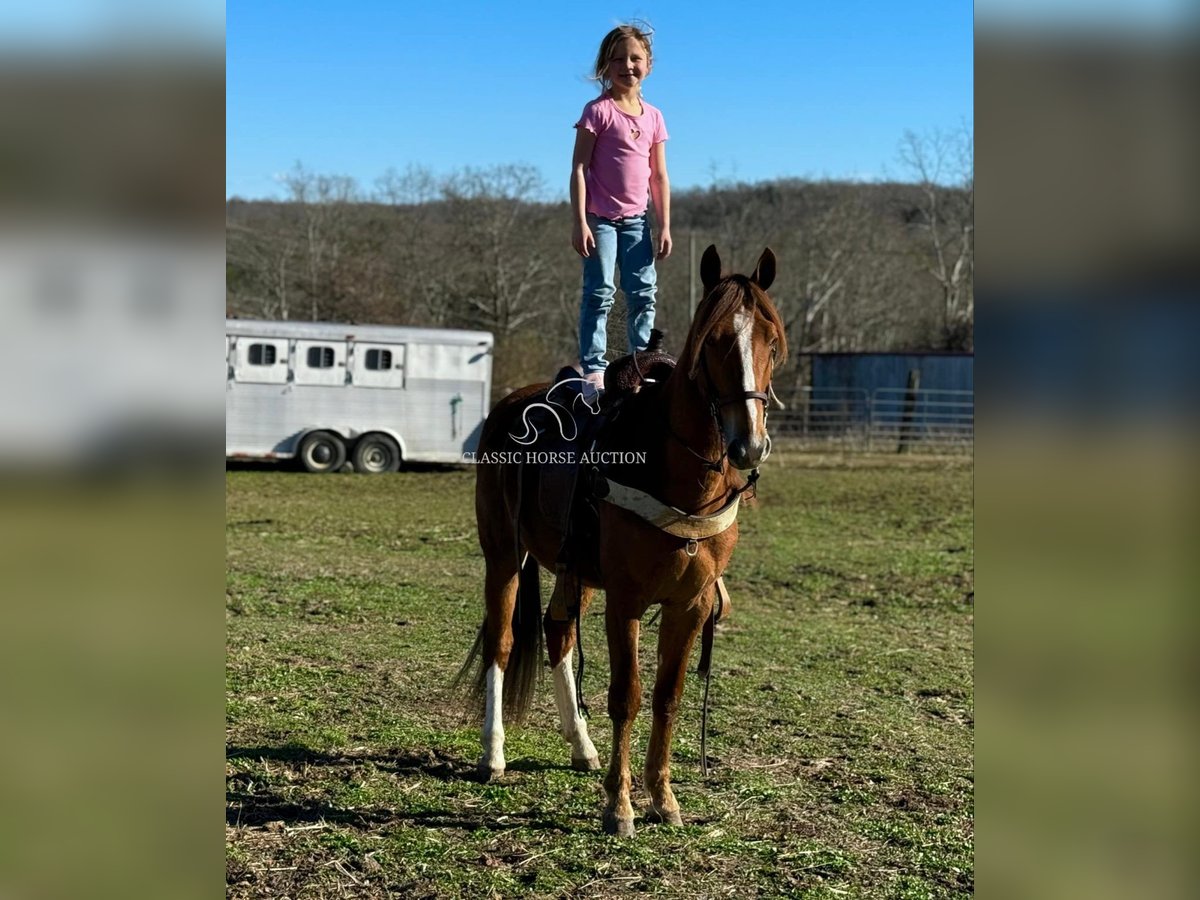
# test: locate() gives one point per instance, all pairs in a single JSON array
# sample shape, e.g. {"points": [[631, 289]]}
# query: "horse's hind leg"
{"points": [[500, 593], [560, 642], [676, 635]]}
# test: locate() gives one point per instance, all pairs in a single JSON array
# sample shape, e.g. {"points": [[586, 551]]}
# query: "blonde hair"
{"points": [[639, 31]]}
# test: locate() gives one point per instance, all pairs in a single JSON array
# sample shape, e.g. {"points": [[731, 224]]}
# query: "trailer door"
{"points": [[261, 360], [377, 365], [320, 362]]}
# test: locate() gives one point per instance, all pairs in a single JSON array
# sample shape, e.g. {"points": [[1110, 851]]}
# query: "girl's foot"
{"points": [[593, 386]]}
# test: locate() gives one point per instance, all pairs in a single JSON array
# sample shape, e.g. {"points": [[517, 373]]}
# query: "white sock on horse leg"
{"points": [[571, 724], [493, 721]]}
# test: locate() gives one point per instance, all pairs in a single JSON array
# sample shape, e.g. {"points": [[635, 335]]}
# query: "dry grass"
{"points": [[842, 717]]}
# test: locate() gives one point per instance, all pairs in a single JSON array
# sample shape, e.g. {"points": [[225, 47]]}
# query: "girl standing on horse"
{"points": [[619, 164]]}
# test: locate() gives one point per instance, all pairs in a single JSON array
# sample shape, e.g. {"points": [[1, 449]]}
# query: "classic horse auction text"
{"points": [[560, 458]]}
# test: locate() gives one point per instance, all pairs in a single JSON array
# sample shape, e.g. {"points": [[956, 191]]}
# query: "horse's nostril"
{"points": [[746, 454], [738, 452]]}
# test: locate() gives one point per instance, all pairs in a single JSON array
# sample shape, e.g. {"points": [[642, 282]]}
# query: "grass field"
{"points": [[841, 722]]}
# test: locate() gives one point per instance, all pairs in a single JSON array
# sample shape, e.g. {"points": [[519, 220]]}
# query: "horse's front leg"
{"points": [[624, 700], [676, 635]]}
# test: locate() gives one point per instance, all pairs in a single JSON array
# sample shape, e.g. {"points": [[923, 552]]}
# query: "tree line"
{"points": [[884, 266]]}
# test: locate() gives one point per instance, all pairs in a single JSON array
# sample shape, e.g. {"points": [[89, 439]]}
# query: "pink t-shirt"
{"points": [[618, 177]]}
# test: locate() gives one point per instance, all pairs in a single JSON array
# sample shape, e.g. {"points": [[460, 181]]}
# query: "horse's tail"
{"points": [[472, 674], [524, 659]]}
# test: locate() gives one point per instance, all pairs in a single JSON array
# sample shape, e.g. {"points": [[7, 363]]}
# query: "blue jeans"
{"points": [[625, 243]]}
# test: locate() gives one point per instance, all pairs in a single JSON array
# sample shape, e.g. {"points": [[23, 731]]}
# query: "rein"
{"points": [[705, 667], [717, 466]]}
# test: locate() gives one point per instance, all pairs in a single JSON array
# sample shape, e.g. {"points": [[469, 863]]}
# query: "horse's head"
{"points": [[734, 344]]}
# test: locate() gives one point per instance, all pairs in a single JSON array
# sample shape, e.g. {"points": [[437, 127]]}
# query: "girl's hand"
{"points": [[582, 240], [664, 243]]}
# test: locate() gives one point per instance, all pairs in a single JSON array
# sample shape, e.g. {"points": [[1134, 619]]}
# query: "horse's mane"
{"points": [[728, 295]]}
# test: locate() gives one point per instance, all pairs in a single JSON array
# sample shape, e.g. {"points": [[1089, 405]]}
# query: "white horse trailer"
{"points": [[375, 395]]}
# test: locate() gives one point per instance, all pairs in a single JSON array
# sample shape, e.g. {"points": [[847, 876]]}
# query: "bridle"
{"points": [[715, 403], [714, 406]]}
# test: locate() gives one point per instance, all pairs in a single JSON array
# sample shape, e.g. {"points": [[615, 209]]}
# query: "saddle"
{"points": [[629, 374], [569, 428]]}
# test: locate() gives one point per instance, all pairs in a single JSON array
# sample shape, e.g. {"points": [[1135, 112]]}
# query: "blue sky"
{"points": [[770, 90]]}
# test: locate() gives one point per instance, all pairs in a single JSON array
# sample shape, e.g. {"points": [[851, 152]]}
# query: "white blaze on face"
{"points": [[743, 326]]}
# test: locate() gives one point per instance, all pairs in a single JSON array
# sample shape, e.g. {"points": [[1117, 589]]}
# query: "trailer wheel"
{"points": [[322, 451], [375, 454]]}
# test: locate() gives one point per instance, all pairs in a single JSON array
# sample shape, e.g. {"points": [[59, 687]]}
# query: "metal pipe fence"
{"points": [[885, 420]]}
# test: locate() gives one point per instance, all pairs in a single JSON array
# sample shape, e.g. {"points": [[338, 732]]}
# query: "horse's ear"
{"points": [[710, 267], [764, 272]]}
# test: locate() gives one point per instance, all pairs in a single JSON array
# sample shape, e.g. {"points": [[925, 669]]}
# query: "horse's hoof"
{"points": [[668, 818], [585, 763], [487, 773], [619, 827]]}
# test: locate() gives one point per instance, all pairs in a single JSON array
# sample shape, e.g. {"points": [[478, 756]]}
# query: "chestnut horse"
{"points": [[697, 430]]}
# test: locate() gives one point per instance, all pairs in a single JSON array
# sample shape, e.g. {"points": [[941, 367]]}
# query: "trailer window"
{"points": [[320, 357], [379, 360], [262, 354]]}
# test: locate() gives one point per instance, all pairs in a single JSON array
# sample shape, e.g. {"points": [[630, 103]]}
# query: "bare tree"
{"points": [[417, 256], [943, 166], [323, 200], [499, 233], [823, 255], [862, 266], [264, 259]]}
